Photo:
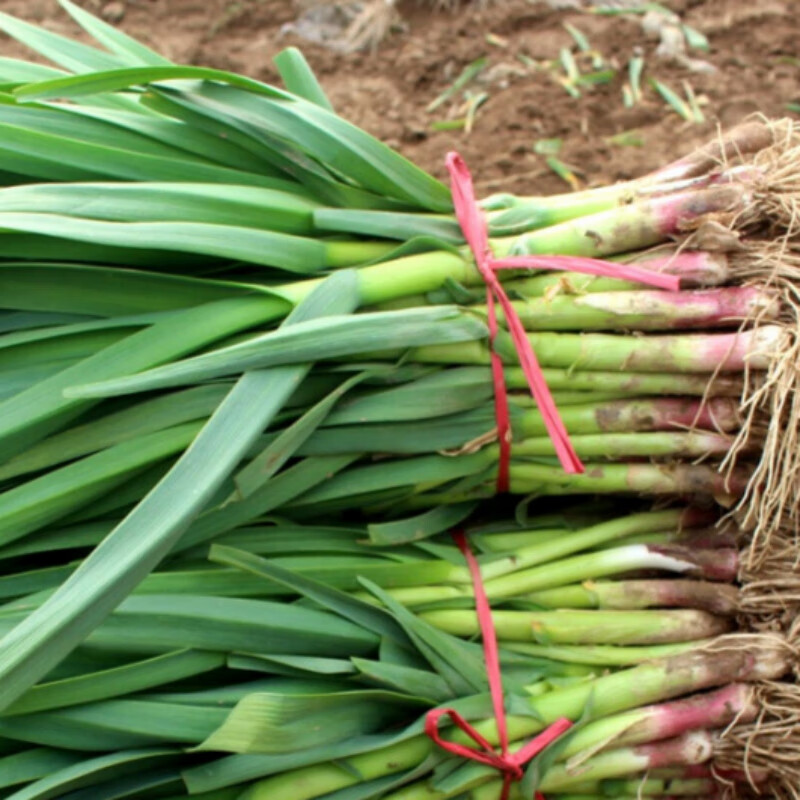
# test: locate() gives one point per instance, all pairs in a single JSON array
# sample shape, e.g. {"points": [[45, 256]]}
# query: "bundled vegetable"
{"points": [[331, 694], [223, 302]]}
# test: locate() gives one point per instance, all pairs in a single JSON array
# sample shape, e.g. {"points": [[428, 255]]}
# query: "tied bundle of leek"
{"points": [[201, 683], [222, 302]]}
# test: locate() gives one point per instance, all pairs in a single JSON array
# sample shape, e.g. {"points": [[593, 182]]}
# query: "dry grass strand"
{"points": [[770, 406], [769, 746]]}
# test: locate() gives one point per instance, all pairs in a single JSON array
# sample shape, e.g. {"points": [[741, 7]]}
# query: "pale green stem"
{"points": [[510, 543], [603, 655], [644, 223], [614, 446], [645, 310], [499, 542], [633, 594], [583, 567], [636, 415], [567, 398], [682, 353], [352, 253], [389, 280], [632, 383], [649, 479], [585, 627]]}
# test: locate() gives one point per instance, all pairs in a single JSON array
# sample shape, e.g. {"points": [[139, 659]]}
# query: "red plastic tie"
{"points": [[509, 764], [475, 230]]}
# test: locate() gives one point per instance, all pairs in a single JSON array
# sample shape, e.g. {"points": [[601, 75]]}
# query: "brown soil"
{"points": [[753, 44]]}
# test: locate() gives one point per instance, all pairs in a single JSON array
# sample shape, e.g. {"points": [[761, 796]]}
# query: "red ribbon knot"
{"points": [[509, 764], [476, 233]]}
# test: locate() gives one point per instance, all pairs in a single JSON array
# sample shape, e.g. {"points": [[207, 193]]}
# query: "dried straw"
{"points": [[767, 750]]}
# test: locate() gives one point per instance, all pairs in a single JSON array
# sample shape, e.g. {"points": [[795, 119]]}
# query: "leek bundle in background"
{"points": [[222, 302]]}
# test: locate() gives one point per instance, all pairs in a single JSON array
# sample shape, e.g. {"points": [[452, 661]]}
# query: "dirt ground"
{"points": [[751, 65]]}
